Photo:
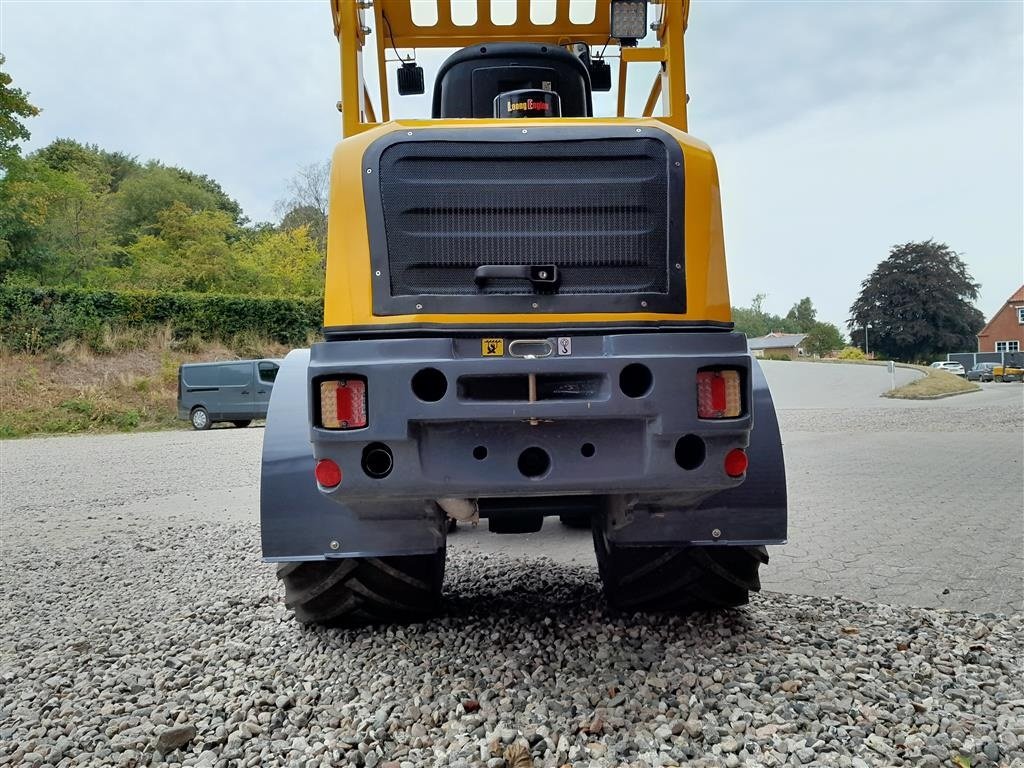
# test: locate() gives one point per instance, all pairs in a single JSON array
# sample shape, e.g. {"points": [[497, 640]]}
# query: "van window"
{"points": [[268, 372], [200, 376], [236, 374]]}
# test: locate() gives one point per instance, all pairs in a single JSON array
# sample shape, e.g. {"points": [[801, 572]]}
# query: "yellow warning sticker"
{"points": [[492, 347]]}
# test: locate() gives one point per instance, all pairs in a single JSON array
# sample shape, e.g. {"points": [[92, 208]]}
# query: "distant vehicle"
{"points": [[1011, 372], [949, 365], [235, 391], [981, 372]]}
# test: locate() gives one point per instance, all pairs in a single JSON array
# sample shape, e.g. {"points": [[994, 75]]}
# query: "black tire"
{"points": [[242, 424], [200, 419], [359, 590], [677, 579], [575, 519]]}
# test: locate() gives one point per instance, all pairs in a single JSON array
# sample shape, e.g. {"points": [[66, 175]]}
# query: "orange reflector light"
{"points": [[719, 395], [343, 404], [736, 462], [328, 474]]}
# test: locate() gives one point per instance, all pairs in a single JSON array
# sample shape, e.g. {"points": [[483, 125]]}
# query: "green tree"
{"points": [[803, 316], [143, 195], [823, 338], [53, 225], [14, 108], [89, 160], [755, 321], [274, 263], [919, 303], [188, 251]]}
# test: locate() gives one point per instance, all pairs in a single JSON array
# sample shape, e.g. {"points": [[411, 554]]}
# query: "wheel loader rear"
{"points": [[526, 315]]}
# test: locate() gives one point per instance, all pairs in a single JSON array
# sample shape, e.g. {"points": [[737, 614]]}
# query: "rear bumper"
{"points": [[438, 447]]}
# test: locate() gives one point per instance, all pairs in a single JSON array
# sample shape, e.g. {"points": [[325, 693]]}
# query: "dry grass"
{"points": [[132, 384], [934, 383]]}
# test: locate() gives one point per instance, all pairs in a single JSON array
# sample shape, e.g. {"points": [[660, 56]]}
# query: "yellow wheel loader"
{"points": [[526, 315]]}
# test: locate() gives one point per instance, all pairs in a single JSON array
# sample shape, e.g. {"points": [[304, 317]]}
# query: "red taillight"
{"points": [[328, 474], [736, 462], [343, 404], [719, 395]]}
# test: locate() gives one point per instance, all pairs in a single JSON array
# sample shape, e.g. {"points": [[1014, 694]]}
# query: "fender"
{"points": [[296, 521], [753, 513]]}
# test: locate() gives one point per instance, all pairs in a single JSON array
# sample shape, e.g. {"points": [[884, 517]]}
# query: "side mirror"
{"points": [[410, 79]]}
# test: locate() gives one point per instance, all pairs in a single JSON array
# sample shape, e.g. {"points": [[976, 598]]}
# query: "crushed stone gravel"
{"points": [[174, 648]]}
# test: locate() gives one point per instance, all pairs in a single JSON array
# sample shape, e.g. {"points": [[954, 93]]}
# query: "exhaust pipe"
{"points": [[377, 461]]}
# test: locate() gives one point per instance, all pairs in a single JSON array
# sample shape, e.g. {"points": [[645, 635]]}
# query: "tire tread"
{"points": [[677, 579], [354, 591]]}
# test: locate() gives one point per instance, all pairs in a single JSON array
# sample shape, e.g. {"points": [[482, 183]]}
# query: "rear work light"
{"points": [[719, 395], [343, 404]]}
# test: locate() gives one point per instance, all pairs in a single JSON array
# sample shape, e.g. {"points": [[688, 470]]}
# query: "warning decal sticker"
{"points": [[492, 347]]}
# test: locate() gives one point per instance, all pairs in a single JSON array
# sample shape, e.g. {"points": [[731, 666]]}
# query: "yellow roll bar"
{"points": [[396, 28]]}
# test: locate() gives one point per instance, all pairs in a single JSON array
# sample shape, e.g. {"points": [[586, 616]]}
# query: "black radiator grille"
{"points": [[596, 209]]}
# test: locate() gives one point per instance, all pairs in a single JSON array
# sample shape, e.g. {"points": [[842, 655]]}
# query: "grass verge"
{"points": [[131, 385], [934, 384]]}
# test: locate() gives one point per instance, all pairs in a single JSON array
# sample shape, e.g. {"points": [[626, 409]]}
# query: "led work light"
{"points": [[629, 21]]}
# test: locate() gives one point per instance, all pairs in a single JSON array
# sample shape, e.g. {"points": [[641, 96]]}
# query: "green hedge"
{"points": [[36, 318]]}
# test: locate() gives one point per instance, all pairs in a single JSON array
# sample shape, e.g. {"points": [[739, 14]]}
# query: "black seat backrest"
{"points": [[469, 79]]}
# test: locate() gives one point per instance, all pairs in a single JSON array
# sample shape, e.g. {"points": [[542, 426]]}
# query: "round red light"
{"points": [[736, 462], [328, 474]]}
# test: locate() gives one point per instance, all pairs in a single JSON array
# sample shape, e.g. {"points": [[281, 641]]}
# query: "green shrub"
{"points": [[851, 353], [34, 319], [776, 356]]}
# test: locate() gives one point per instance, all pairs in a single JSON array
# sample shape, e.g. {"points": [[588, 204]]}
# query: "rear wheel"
{"points": [[363, 590], [677, 579], [242, 423], [200, 418]]}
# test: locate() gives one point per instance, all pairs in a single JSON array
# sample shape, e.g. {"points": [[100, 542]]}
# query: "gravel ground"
{"points": [[138, 627], [175, 648]]}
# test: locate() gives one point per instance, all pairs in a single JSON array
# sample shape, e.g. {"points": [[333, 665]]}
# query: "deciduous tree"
{"points": [[14, 109], [919, 304], [803, 315], [823, 339]]}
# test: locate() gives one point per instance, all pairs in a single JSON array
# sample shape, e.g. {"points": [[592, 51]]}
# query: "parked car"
{"points": [[1009, 372], [235, 391], [949, 365], [981, 372]]}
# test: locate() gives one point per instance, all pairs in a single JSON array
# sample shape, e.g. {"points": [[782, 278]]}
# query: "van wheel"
{"points": [[200, 418], [243, 423], [362, 590], [677, 579]]}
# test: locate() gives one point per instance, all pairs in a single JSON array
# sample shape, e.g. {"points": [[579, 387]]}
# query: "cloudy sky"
{"points": [[840, 128]]}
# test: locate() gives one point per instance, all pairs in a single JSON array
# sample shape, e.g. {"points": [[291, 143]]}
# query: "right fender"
{"points": [[753, 513], [757, 510]]}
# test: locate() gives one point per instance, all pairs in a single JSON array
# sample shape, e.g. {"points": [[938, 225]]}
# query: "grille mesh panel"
{"points": [[597, 209]]}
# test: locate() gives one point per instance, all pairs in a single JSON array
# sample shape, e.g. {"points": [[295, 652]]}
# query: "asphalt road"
{"points": [[903, 502]]}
